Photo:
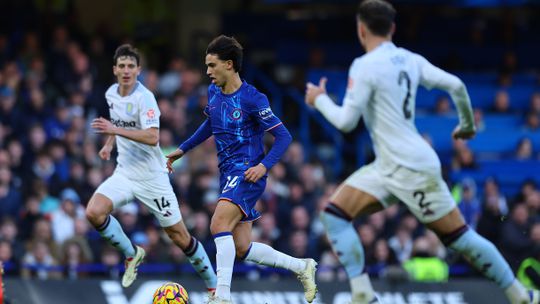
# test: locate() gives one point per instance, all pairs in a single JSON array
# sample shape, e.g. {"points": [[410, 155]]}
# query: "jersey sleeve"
{"points": [[262, 113], [434, 77], [149, 111], [359, 90]]}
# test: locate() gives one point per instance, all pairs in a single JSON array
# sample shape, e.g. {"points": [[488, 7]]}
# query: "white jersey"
{"points": [[382, 87], [136, 111]]}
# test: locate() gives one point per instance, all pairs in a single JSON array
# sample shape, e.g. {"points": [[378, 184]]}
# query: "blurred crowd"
{"points": [[49, 167]]}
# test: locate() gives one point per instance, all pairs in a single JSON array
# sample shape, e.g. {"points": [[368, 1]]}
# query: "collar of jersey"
{"points": [[132, 90], [235, 92]]}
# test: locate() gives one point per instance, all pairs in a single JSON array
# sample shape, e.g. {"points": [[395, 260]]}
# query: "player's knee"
{"points": [[218, 225], [242, 249], [95, 216]]}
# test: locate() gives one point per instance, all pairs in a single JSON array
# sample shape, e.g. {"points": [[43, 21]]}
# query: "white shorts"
{"points": [[425, 193], [156, 194]]}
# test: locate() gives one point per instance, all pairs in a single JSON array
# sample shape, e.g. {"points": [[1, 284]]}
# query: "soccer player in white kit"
{"points": [[140, 172], [382, 88]]}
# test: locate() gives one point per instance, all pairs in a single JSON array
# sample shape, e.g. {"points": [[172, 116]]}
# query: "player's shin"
{"points": [[201, 263], [225, 256], [112, 232], [346, 244], [483, 255]]}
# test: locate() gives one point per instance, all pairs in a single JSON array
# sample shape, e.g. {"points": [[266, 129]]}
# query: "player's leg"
{"points": [[265, 255], [428, 198], [158, 196], [346, 204], [482, 254], [112, 193], [223, 222], [195, 253]]}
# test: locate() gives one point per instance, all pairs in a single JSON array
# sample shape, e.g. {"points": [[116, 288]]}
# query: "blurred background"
{"points": [[56, 64]]}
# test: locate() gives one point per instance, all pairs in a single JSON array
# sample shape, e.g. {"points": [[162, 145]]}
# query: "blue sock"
{"points": [[344, 239], [201, 263], [112, 231], [483, 255]]}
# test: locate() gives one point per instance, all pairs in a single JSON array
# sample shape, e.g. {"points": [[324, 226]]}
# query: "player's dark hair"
{"points": [[378, 15], [126, 50], [227, 48]]}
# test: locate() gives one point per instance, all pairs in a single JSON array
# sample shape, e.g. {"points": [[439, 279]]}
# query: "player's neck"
{"points": [[232, 84], [126, 90], [375, 41]]}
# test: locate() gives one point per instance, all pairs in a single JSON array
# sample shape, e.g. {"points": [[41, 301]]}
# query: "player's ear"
{"points": [[230, 64]]}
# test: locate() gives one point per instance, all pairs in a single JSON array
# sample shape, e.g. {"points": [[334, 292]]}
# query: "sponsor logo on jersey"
{"points": [[266, 113], [151, 114], [123, 124]]}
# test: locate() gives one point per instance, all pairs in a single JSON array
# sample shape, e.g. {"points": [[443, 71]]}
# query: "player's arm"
{"points": [[345, 117], [434, 77], [105, 152], [203, 133], [149, 136]]}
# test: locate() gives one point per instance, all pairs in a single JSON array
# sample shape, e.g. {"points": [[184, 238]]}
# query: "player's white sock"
{"points": [[517, 293], [226, 253], [265, 255], [362, 285]]}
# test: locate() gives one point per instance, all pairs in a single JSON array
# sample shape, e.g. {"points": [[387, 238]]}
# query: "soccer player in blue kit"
{"points": [[238, 115]]}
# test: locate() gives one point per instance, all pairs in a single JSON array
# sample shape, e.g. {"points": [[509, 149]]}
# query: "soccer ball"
{"points": [[171, 293]]}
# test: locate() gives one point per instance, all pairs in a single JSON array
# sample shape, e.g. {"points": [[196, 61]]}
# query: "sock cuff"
{"points": [[450, 238], [222, 234], [105, 224], [337, 211], [247, 252], [192, 247]]}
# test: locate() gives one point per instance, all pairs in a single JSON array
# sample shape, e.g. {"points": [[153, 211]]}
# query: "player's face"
{"points": [[218, 70], [126, 71]]}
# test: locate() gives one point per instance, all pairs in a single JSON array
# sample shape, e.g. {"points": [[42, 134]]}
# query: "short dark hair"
{"points": [[126, 50], [227, 48], [378, 15]]}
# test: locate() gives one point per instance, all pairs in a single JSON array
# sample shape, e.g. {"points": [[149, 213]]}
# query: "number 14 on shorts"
{"points": [[232, 181]]}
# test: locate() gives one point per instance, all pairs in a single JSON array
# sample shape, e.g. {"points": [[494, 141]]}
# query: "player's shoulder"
{"points": [[251, 95], [142, 93], [112, 91]]}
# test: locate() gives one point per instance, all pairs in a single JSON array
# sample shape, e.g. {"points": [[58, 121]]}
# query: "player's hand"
{"points": [[103, 126], [254, 173], [313, 91], [172, 157], [105, 152], [459, 133]]}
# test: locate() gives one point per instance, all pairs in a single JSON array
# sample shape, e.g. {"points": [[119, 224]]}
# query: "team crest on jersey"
{"points": [[130, 109], [150, 114], [236, 114]]}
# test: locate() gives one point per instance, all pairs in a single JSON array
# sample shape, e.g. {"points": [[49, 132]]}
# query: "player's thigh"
{"points": [[242, 238], [114, 192], [447, 224], [226, 217], [158, 196], [425, 194], [362, 193]]}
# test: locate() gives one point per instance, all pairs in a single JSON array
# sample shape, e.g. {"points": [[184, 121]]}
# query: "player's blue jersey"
{"points": [[238, 122]]}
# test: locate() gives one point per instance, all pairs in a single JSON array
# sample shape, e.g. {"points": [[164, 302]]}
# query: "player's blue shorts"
{"points": [[242, 193]]}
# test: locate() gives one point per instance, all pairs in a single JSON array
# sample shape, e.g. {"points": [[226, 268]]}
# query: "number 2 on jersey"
{"points": [[403, 76]]}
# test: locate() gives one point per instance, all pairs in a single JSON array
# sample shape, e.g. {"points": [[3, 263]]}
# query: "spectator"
{"points": [[10, 198], [514, 236], [39, 262], [75, 253], [495, 208], [63, 219], [401, 243], [469, 204], [424, 266], [501, 103], [524, 150]]}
